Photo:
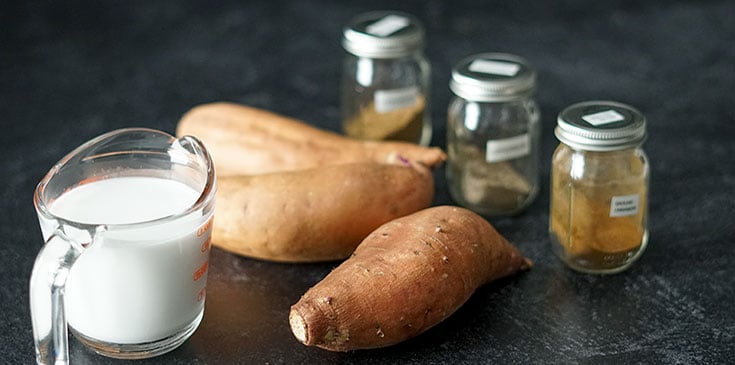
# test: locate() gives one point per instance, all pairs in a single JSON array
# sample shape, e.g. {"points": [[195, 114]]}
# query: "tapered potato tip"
{"points": [[311, 326], [298, 326], [436, 258], [527, 264]]}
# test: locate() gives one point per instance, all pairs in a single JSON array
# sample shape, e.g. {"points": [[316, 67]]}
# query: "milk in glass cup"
{"points": [[127, 219]]}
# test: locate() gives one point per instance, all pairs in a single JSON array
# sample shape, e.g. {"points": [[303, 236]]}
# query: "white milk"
{"points": [[141, 284]]}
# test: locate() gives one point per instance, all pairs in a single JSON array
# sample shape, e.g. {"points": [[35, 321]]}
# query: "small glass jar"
{"points": [[493, 134], [599, 187], [385, 79]]}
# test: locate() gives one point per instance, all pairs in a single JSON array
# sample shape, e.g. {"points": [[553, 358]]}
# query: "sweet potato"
{"points": [[315, 214], [405, 277], [249, 141]]}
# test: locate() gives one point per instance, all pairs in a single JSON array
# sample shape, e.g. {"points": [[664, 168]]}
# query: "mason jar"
{"points": [[385, 79], [493, 134], [599, 187]]}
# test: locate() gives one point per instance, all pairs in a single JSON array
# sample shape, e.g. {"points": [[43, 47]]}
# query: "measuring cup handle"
{"points": [[47, 299]]}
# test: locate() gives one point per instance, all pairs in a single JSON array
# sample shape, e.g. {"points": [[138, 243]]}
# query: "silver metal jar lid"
{"points": [[493, 77], [601, 126], [383, 34]]}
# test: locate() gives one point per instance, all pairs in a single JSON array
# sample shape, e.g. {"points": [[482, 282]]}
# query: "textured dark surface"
{"points": [[72, 70]]}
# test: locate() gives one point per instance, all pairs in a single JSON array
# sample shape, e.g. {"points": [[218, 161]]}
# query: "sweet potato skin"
{"points": [[248, 141], [405, 277], [315, 215]]}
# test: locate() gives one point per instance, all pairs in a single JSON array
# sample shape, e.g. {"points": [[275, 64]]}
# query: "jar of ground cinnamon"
{"points": [[493, 134], [599, 187], [385, 79]]}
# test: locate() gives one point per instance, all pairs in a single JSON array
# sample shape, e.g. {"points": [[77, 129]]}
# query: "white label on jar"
{"points": [[388, 100], [508, 148], [495, 67], [387, 25], [601, 118], [624, 205]]}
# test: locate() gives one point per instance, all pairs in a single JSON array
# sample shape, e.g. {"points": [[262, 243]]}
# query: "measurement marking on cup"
{"points": [[201, 294], [205, 227], [206, 244], [201, 270]]}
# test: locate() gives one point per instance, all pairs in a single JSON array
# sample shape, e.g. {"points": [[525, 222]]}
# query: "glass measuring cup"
{"points": [[126, 219]]}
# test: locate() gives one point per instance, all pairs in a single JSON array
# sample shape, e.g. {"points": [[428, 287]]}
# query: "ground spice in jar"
{"points": [[495, 184], [402, 124], [581, 210], [599, 187], [385, 78], [493, 134]]}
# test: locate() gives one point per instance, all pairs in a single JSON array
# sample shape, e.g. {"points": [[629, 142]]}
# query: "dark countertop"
{"points": [[72, 70]]}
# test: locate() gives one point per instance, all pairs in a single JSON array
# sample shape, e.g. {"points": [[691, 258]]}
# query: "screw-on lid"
{"points": [[601, 126], [383, 34], [493, 77]]}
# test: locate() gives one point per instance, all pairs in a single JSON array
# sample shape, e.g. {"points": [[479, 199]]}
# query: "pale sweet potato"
{"points": [[315, 214], [249, 141], [405, 277]]}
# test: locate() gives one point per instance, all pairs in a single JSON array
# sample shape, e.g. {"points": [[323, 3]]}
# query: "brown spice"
{"points": [[404, 124], [580, 219], [488, 188]]}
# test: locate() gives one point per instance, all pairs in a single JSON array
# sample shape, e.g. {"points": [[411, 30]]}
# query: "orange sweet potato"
{"points": [[404, 278], [248, 141], [315, 214]]}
